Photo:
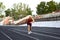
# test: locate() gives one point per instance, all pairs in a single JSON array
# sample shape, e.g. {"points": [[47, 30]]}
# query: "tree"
{"points": [[22, 9], [46, 7], [2, 7], [19, 10], [58, 7], [8, 11], [51, 6], [41, 8]]}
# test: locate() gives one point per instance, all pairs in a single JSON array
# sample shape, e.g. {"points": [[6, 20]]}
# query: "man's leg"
{"points": [[29, 28]]}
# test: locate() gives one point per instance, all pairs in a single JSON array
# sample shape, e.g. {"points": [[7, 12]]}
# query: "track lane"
{"points": [[16, 36], [38, 35]]}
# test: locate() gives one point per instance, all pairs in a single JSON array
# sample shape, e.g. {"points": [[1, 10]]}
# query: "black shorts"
{"points": [[29, 24]]}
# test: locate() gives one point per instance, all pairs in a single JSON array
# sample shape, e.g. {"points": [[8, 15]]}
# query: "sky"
{"points": [[32, 3]]}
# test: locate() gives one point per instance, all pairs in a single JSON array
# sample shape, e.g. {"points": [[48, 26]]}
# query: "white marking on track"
{"points": [[39, 34], [6, 35], [24, 34], [46, 35], [49, 32]]}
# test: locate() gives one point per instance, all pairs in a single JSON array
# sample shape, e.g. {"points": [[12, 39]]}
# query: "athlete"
{"points": [[29, 24]]}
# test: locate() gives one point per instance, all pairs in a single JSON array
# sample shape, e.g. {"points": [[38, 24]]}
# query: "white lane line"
{"points": [[6, 35], [46, 35], [39, 34], [24, 34], [34, 30], [18, 30], [49, 32]]}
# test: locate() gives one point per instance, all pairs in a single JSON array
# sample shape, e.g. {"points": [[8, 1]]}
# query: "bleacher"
{"points": [[49, 17]]}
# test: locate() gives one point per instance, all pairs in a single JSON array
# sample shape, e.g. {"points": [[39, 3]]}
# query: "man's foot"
{"points": [[29, 32]]}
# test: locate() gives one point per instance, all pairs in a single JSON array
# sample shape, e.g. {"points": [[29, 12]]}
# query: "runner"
{"points": [[29, 24]]}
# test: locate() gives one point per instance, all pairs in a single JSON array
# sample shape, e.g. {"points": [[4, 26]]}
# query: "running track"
{"points": [[20, 33]]}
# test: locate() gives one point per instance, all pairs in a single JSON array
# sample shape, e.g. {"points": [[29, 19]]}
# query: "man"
{"points": [[28, 19], [29, 24]]}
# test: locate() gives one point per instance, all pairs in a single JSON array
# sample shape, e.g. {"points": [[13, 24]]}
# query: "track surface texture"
{"points": [[21, 33]]}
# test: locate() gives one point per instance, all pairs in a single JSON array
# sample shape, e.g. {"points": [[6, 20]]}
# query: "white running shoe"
{"points": [[29, 32]]}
